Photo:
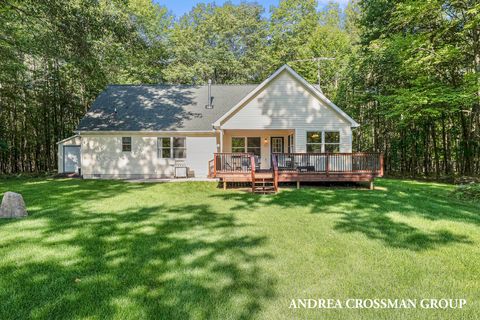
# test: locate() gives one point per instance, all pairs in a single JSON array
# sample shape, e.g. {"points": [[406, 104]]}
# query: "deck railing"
{"points": [[232, 162], [330, 162], [321, 163], [275, 172]]}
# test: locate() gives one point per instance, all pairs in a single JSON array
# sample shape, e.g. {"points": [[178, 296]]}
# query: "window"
{"points": [[126, 144], [253, 145], [171, 147], [332, 141], [323, 141], [179, 148], [164, 148], [291, 144], [246, 144], [314, 142], [238, 144]]}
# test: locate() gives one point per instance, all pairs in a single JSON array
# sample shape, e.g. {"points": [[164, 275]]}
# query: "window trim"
{"points": [[330, 143], [160, 147], [323, 143], [245, 144], [129, 144]]}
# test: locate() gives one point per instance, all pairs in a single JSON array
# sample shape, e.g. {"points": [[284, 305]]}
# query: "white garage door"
{"points": [[71, 158]]}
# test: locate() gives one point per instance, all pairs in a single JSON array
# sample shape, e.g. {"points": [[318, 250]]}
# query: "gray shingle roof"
{"points": [[160, 107]]}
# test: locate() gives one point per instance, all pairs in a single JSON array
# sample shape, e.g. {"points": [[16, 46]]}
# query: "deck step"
{"points": [[265, 191]]}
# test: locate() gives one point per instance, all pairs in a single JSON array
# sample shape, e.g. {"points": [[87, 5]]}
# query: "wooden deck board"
{"points": [[297, 176], [298, 167]]}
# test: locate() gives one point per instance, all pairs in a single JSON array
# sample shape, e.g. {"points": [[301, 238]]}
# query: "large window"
{"points": [[246, 144], [171, 147], [323, 141], [331, 141], [126, 144], [238, 144], [253, 145], [314, 142]]}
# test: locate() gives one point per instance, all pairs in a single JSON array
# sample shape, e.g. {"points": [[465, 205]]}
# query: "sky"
{"points": [[179, 7]]}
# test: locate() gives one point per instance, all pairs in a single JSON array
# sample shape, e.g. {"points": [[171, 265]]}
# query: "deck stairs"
{"points": [[263, 185]]}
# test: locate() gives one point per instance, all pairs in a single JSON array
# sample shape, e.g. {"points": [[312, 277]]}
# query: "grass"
{"points": [[119, 250]]}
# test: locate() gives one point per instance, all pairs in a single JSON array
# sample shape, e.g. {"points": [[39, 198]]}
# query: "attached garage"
{"points": [[69, 155]]}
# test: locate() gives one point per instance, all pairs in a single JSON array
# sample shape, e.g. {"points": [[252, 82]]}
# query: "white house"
{"points": [[144, 131]]}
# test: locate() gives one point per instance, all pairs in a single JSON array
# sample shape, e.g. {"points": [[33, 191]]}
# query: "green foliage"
{"points": [[408, 71], [56, 58], [469, 192], [224, 43], [415, 85]]}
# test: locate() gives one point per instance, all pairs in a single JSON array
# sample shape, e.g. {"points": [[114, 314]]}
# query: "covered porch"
{"points": [[261, 143]]}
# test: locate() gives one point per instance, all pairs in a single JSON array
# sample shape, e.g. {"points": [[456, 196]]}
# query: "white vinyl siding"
{"points": [[102, 156], [286, 104]]}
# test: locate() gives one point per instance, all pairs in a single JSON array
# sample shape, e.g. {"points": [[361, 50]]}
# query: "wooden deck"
{"points": [[296, 167]]}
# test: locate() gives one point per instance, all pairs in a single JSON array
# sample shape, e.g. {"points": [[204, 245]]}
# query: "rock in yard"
{"points": [[12, 206]]}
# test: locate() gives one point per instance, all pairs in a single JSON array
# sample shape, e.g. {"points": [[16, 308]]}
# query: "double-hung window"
{"points": [[238, 144], [246, 144], [331, 141], [126, 144], [254, 145], [323, 141], [314, 142], [171, 147]]}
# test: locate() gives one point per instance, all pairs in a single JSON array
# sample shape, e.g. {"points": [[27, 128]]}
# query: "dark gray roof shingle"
{"points": [[160, 107]]}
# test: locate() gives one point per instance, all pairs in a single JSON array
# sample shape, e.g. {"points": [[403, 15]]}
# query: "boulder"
{"points": [[12, 206]]}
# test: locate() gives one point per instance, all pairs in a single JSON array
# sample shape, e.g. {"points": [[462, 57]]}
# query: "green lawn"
{"points": [[119, 250]]}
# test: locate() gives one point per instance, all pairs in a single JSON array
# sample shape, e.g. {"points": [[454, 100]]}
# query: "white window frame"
{"points": [[323, 143], [245, 144], [160, 147]]}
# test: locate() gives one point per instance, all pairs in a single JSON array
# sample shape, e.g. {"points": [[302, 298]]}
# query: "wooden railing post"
{"points": [[327, 164], [275, 171], [252, 165], [214, 165]]}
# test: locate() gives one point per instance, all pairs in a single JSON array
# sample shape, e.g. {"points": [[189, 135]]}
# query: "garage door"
{"points": [[71, 158]]}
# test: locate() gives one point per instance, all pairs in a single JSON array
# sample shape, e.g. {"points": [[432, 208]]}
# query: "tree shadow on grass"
{"points": [[158, 262], [369, 212]]}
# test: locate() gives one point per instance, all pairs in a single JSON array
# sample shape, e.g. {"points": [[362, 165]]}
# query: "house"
{"points": [[146, 131]]}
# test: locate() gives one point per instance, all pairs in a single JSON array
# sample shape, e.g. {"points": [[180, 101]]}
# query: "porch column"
{"points": [[221, 140]]}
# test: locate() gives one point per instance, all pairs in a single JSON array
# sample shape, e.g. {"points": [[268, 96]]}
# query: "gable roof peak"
{"points": [[299, 78]]}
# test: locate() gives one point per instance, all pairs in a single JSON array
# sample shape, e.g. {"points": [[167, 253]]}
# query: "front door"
{"points": [[276, 145]]}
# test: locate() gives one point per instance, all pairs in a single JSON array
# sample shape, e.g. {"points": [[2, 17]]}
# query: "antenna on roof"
{"points": [[317, 60]]}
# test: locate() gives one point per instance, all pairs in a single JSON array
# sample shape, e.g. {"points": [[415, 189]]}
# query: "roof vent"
{"points": [[209, 104]]}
